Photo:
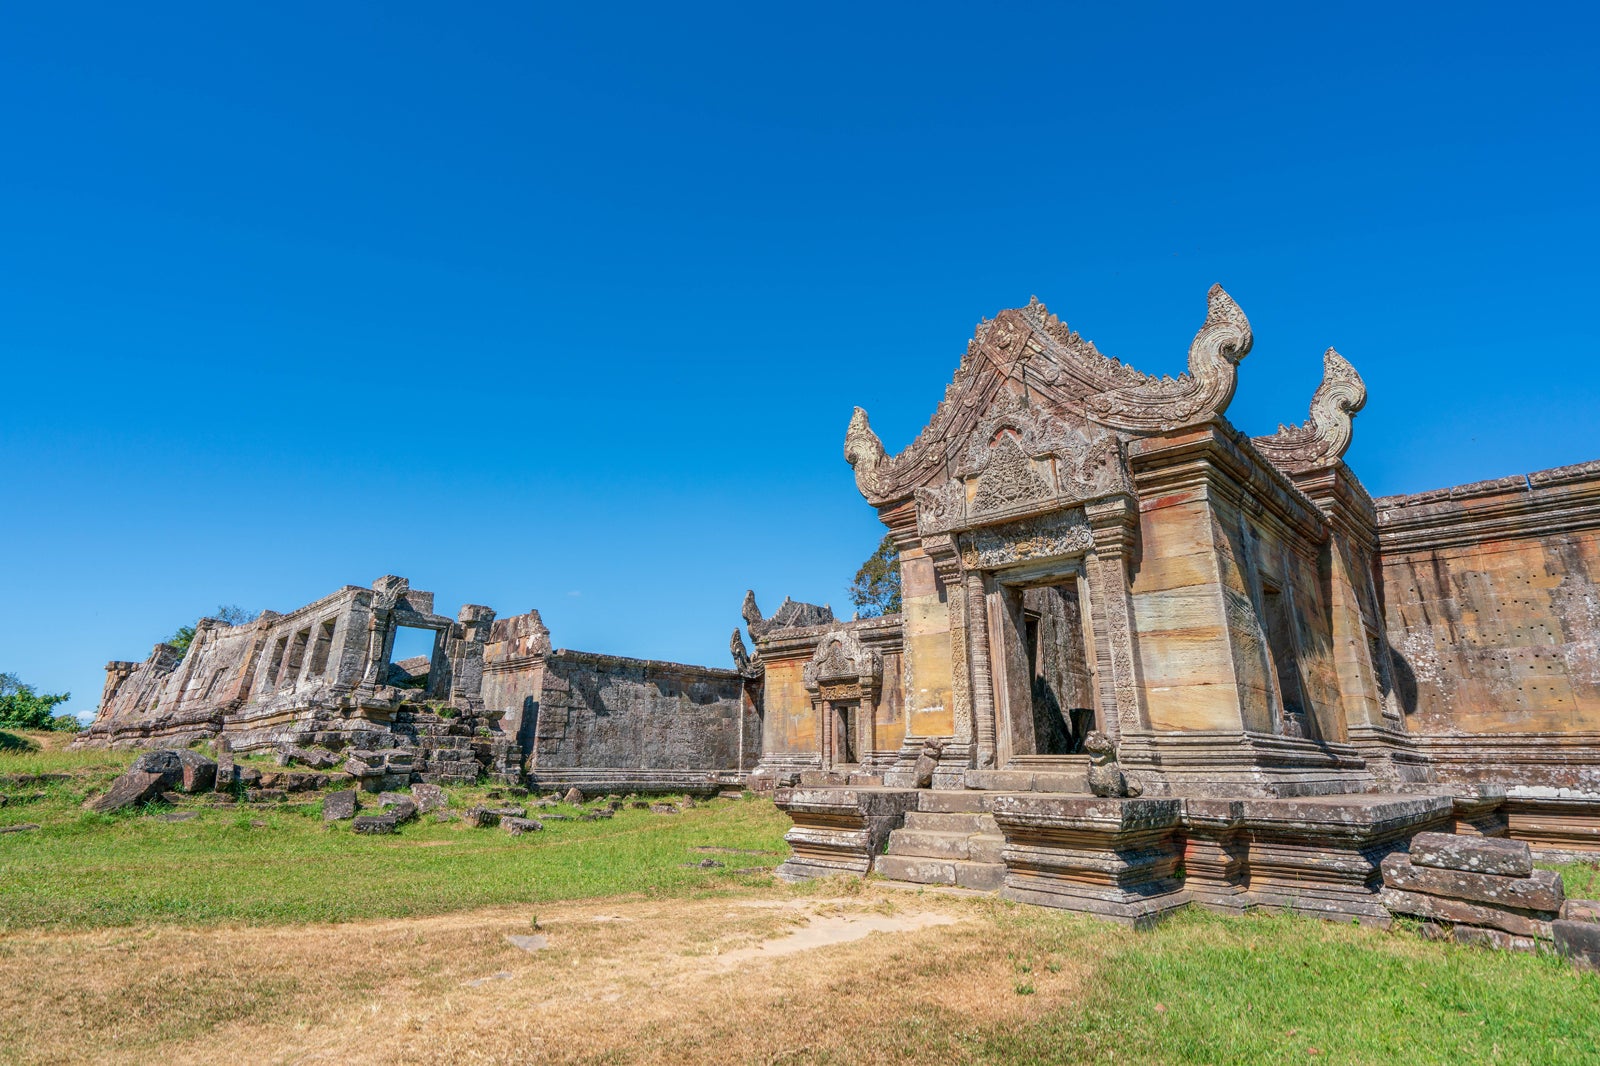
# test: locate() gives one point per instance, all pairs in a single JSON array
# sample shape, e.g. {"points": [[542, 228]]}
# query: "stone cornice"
{"points": [[1546, 502]]}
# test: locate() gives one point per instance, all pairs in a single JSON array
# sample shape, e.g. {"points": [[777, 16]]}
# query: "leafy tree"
{"points": [[876, 589], [230, 613], [23, 708]]}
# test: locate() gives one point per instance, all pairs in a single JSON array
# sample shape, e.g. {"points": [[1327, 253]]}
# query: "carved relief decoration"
{"points": [[1020, 459], [1038, 355], [1053, 536], [841, 657], [1323, 438]]}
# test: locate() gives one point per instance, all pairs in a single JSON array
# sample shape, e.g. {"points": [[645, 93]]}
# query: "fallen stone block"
{"points": [[517, 826], [1581, 910], [529, 942], [197, 773], [640, 805], [129, 790], [1483, 855], [481, 817], [265, 795], [1539, 891], [339, 806], [163, 762], [1460, 912], [1493, 938], [1578, 941], [574, 796], [510, 812], [373, 824], [398, 807], [20, 827], [428, 797], [248, 776], [663, 808]]}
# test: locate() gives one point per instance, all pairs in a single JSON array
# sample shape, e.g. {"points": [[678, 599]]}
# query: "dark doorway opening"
{"points": [[1049, 684]]}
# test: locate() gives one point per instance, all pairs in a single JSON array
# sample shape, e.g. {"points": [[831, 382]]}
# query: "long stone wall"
{"points": [[1492, 598], [604, 721]]}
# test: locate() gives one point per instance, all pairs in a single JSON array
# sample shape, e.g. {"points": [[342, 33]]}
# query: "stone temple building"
{"points": [[1136, 641], [1144, 659]]}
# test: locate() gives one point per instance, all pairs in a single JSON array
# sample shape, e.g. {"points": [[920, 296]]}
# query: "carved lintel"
{"points": [[1323, 438], [841, 658]]}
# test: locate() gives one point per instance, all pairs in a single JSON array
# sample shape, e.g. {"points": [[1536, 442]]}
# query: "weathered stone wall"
{"points": [[1492, 600], [610, 722]]}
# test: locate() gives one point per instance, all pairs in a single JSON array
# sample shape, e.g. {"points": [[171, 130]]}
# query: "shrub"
{"points": [[23, 708]]}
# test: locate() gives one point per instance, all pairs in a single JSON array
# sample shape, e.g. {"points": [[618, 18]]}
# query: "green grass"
{"points": [[1208, 989], [81, 869], [1581, 880]]}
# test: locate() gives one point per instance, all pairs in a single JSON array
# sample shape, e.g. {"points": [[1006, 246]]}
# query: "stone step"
{"points": [[982, 876], [929, 844], [1070, 781], [951, 822], [954, 801]]}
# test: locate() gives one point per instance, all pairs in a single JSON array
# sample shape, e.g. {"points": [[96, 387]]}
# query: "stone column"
{"points": [[1115, 522], [982, 668]]}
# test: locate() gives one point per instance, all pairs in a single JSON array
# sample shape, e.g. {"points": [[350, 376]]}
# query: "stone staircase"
{"points": [[950, 839]]}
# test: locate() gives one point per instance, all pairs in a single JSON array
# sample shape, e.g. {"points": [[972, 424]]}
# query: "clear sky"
{"points": [[567, 306]]}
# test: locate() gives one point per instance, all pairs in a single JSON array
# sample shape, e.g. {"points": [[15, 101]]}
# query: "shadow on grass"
{"points": [[10, 742]]}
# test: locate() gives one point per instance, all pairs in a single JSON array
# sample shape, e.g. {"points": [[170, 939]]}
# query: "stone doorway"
{"points": [[1047, 685], [845, 736]]}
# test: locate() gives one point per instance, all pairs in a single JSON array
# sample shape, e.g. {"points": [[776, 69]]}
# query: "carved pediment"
{"points": [[1021, 460], [1322, 439], [1028, 351], [842, 658]]}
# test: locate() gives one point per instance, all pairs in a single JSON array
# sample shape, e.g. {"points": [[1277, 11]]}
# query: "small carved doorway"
{"points": [[844, 749]]}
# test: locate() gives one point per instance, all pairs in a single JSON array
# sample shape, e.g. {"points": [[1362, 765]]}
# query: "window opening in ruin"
{"points": [[1051, 694], [297, 656], [320, 650], [277, 662], [1286, 662], [411, 660]]}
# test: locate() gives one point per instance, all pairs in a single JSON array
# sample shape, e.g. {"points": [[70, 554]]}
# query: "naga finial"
{"points": [[864, 452], [1323, 438]]}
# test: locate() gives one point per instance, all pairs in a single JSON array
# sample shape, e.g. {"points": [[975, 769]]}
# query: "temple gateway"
{"points": [[1146, 660]]}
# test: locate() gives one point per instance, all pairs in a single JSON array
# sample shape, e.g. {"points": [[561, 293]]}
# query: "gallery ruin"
{"points": [[1144, 660]]}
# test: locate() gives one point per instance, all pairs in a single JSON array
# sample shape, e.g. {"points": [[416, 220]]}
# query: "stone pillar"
{"points": [[982, 669], [1115, 523]]}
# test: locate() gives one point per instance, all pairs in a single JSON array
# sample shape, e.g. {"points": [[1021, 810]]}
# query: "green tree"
{"points": [[230, 613], [23, 708], [876, 589]]}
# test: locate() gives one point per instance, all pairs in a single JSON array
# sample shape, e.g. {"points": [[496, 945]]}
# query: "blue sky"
{"points": [[568, 307]]}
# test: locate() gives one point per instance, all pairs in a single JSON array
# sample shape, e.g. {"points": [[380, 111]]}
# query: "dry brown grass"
{"points": [[622, 981]]}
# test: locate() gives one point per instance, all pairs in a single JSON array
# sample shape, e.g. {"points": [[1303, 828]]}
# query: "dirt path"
{"points": [[764, 979]]}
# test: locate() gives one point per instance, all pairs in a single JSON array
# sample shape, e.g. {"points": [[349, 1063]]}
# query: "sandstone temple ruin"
{"points": [[1144, 660]]}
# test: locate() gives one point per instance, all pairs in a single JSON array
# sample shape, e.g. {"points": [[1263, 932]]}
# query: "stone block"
{"points": [[1461, 912], [1483, 855], [1539, 891], [197, 773], [339, 806], [428, 797], [517, 826], [574, 796], [265, 795], [1493, 938], [129, 790], [1578, 941], [401, 808], [373, 824], [481, 817]]}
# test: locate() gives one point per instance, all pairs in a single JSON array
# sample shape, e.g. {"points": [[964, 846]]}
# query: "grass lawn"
{"points": [[133, 939]]}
